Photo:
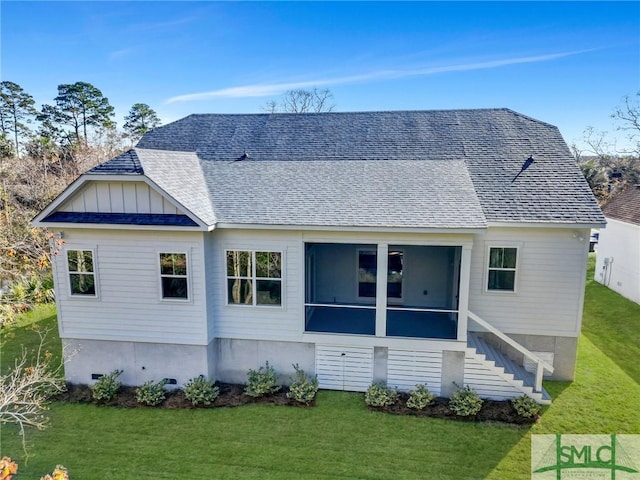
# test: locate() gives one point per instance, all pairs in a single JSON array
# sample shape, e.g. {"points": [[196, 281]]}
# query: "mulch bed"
{"points": [[491, 411], [232, 395]]}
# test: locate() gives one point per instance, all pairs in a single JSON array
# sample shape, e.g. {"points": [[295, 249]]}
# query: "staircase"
{"points": [[494, 375]]}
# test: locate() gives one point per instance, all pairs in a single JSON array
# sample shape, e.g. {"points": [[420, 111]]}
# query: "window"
{"points": [[502, 269], [173, 276], [81, 272], [367, 271], [254, 277]]}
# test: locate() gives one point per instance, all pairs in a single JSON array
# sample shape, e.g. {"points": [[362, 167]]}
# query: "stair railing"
{"points": [[541, 365]]}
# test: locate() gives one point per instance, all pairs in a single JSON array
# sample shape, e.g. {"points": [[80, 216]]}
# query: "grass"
{"points": [[340, 438]]}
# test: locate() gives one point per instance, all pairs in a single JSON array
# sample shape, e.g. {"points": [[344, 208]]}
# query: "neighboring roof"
{"points": [[121, 219], [426, 169], [625, 206]]}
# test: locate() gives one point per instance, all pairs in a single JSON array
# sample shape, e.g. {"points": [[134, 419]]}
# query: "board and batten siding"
{"points": [[550, 280], [285, 322], [119, 197], [128, 306]]}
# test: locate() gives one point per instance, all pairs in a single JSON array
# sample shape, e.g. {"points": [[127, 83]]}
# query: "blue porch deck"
{"points": [[400, 323]]}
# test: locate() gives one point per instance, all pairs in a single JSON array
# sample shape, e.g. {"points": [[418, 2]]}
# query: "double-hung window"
{"points": [[254, 277], [502, 269], [82, 277], [173, 276]]}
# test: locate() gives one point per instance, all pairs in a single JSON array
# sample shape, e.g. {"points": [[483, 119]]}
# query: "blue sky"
{"points": [[568, 64]]}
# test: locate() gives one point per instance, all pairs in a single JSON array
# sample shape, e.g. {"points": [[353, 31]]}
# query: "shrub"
{"points": [[525, 406], [200, 391], [106, 386], [151, 393], [303, 389], [261, 382], [379, 395], [420, 398], [465, 402]]}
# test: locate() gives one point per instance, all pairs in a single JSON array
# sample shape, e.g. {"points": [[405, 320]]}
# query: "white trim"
{"points": [[254, 278], [516, 270], [340, 228], [169, 251], [343, 339], [79, 248]]}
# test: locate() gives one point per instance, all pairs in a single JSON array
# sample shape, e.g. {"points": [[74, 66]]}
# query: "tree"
{"points": [[140, 120], [16, 109], [607, 169], [79, 105], [27, 387], [302, 101], [629, 114]]}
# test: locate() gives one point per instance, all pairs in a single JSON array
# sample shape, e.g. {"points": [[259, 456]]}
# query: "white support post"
{"points": [[539, 373], [463, 294], [381, 290]]}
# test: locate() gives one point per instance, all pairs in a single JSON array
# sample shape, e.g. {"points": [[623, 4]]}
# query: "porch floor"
{"points": [[399, 323]]}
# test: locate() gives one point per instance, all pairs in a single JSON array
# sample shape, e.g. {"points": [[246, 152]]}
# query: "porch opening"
{"points": [[422, 288]]}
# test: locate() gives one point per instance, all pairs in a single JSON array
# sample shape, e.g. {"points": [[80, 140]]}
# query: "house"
{"points": [[438, 247], [618, 257]]}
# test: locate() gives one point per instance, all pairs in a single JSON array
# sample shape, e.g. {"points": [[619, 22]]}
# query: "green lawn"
{"points": [[340, 438]]}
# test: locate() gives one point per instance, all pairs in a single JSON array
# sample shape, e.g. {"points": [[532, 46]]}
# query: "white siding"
{"points": [[549, 284], [284, 322], [118, 197], [408, 368], [128, 306], [620, 244], [344, 368]]}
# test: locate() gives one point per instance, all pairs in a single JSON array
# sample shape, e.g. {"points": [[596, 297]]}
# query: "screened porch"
{"points": [[419, 286]]}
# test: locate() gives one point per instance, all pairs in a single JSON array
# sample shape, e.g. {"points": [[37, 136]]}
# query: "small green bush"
{"points": [[200, 391], [151, 393], [525, 406], [106, 386], [420, 398], [379, 395], [262, 382], [303, 389], [465, 402]]}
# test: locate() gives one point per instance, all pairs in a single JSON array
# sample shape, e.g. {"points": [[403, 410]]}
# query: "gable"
{"points": [[93, 201], [119, 197]]}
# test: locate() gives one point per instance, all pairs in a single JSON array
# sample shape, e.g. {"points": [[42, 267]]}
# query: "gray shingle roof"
{"points": [[124, 163], [625, 206], [121, 218], [415, 168]]}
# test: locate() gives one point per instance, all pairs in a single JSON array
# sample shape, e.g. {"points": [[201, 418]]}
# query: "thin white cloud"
{"points": [[265, 90], [123, 52]]}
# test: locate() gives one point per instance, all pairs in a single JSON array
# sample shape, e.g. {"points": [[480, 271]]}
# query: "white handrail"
{"points": [[510, 341]]}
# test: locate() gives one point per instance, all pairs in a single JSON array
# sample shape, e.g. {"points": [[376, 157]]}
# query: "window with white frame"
{"points": [[82, 279], [367, 273], [254, 277], [502, 269], [174, 278]]}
